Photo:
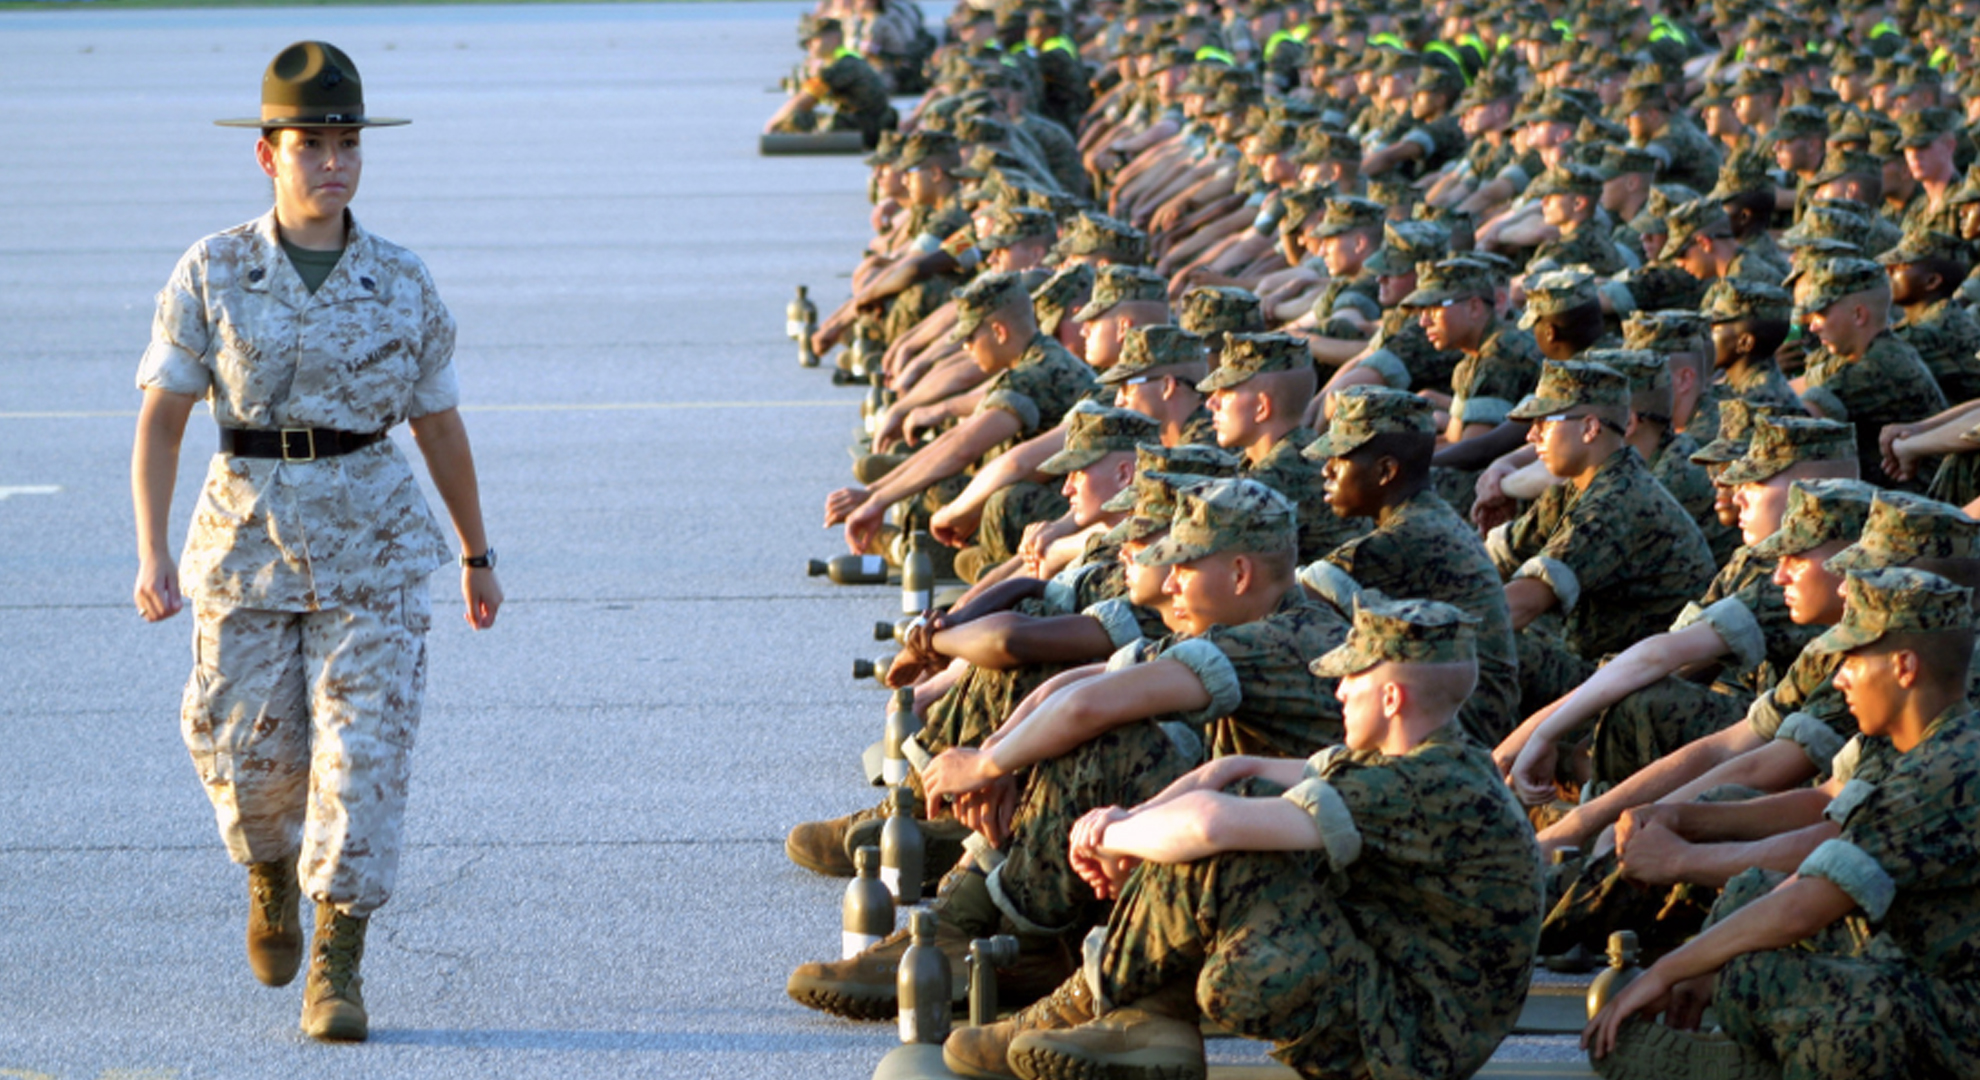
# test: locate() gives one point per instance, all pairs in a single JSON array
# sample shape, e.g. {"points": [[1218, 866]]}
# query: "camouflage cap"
{"points": [[1903, 527], [1671, 330], [1744, 173], [1209, 309], [985, 159], [1120, 284], [987, 294], [1010, 225], [1699, 217], [1157, 471], [887, 150], [1297, 206], [1094, 233], [1921, 244], [926, 146], [1406, 243], [1926, 126], [1363, 412], [1450, 281], [1275, 138], [1346, 213], [1779, 442], [1320, 146], [1573, 384], [1215, 516], [1248, 355], [811, 27], [1061, 294], [1146, 348], [1389, 631], [1732, 299], [1439, 79], [981, 129], [1756, 80], [1836, 277], [1968, 190], [1818, 512], [1821, 221], [1555, 291], [1843, 161], [1735, 431], [1895, 600], [1568, 178], [1621, 159], [1645, 370], [1637, 97], [1093, 431]]}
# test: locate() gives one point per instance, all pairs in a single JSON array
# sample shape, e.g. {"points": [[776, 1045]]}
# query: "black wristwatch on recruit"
{"points": [[483, 561]]}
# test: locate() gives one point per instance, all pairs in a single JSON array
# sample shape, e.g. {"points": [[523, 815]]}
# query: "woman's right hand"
{"points": [[157, 590]]}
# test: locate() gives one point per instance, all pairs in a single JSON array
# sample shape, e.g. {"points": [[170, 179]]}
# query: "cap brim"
{"points": [[1093, 310], [1343, 660], [1220, 380], [1122, 502], [1070, 460], [1170, 551], [1856, 557], [1423, 298], [1843, 638], [1718, 452], [1533, 407], [1745, 470], [1333, 444], [311, 122]]}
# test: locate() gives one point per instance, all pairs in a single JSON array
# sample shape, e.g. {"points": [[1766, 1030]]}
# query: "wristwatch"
{"points": [[483, 561]]}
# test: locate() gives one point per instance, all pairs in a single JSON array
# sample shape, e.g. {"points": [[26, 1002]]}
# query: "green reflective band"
{"points": [[1062, 43], [1443, 49], [1211, 52], [1278, 38], [843, 51], [1386, 38], [1883, 29], [1941, 59], [1302, 32]]}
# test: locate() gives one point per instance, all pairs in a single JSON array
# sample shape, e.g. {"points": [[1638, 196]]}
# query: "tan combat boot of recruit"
{"points": [[820, 846], [1125, 1044], [985, 1051], [274, 928], [333, 1006]]}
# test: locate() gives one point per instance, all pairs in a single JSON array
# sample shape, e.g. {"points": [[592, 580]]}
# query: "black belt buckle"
{"points": [[289, 444]]}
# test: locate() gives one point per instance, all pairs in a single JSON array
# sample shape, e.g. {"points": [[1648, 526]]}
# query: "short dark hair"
{"points": [[1412, 451], [1578, 327], [1768, 334]]}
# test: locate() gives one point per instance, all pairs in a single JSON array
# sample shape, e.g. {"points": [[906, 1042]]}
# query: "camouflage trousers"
{"points": [[1547, 668], [1459, 487], [1830, 1008], [915, 303], [1265, 945], [1598, 900], [1958, 479], [1271, 955], [1035, 885], [913, 513], [978, 704], [1006, 514], [1659, 719], [301, 725]]}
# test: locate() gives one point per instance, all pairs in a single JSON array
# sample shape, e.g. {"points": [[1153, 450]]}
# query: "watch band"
{"points": [[483, 561]]}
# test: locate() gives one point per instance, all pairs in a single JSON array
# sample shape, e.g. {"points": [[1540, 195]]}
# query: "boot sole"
{"points": [[834, 1000], [337, 1025], [1034, 1062], [1646, 1050]]}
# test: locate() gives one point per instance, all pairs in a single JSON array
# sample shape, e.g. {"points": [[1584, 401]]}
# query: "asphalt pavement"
{"points": [[594, 883]]}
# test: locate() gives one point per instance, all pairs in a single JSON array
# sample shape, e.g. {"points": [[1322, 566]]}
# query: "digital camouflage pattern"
{"points": [[372, 347], [1289, 472], [1151, 348], [1947, 340], [1208, 309], [1313, 951], [1119, 284], [1407, 631], [1886, 600], [1486, 384], [1421, 548], [1063, 293], [1778, 443], [1901, 527], [1094, 431], [1888, 384], [1039, 389], [1401, 353], [1248, 355], [301, 726], [1621, 556]]}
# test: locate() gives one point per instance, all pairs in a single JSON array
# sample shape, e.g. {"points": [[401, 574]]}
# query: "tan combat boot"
{"points": [[820, 846], [333, 1006], [274, 927], [1156, 1038], [862, 988], [1647, 1050], [985, 1051]]}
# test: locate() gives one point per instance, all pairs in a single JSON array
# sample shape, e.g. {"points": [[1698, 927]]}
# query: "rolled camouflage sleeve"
{"points": [[1816, 738], [1007, 394], [1735, 624], [180, 335], [1383, 362], [1340, 838], [1850, 869], [1330, 583], [1116, 617], [1215, 671], [437, 388], [1825, 401]]}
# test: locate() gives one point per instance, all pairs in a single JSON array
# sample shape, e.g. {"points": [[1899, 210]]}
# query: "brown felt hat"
{"points": [[312, 84]]}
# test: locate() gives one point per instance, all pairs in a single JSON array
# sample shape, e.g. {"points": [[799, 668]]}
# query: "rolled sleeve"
{"points": [[1621, 300], [1484, 410], [1062, 590], [1735, 624], [1389, 366], [180, 337], [1764, 717], [1825, 400], [1116, 617], [1332, 584], [1015, 402], [1338, 835], [1851, 869], [1557, 575], [1498, 545], [1421, 138], [1816, 738], [1213, 669]]}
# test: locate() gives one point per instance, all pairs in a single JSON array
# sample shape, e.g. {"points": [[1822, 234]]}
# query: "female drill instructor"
{"points": [[307, 559]]}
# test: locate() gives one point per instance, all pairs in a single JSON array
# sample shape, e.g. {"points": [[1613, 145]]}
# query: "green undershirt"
{"points": [[313, 266]]}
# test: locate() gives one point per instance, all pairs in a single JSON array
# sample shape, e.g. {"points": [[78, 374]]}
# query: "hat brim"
{"points": [[1844, 638], [1070, 460], [1333, 444], [1170, 551], [313, 122], [1744, 470], [1719, 451], [1221, 379], [1858, 557], [1426, 298], [1347, 658], [1534, 407]]}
